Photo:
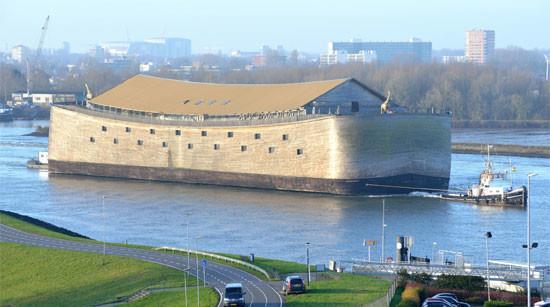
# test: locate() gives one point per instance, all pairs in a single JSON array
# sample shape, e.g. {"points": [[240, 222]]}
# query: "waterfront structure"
{"points": [[325, 136], [46, 98], [480, 45], [414, 50]]}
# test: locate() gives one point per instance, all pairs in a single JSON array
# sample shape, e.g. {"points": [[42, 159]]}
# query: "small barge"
{"points": [[40, 163], [485, 194]]}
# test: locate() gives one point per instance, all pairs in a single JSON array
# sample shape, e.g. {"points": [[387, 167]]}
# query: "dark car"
{"points": [[451, 298], [294, 285], [447, 294], [234, 295], [436, 302]]}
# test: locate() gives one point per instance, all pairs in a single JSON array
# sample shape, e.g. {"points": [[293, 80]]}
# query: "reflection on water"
{"points": [[270, 223]]}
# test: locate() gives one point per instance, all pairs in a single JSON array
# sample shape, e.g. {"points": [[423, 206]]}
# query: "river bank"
{"points": [[508, 124], [503, 149]]}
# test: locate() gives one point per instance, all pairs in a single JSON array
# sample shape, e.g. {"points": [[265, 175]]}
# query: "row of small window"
{"points": [[257, 136], [270, 150]]}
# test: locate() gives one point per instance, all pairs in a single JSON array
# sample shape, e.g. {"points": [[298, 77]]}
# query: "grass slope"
{"points": [[340, 290], [209, 297], [32, 276], [32, 225]]}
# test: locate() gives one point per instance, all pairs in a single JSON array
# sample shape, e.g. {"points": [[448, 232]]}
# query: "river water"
{"points": [[278, 224]]}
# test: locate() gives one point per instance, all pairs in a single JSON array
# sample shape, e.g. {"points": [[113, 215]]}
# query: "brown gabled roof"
{"points": [[158, 95]]}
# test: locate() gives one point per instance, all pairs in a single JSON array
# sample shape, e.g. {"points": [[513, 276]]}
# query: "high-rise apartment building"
{"points": [[480, 45]]}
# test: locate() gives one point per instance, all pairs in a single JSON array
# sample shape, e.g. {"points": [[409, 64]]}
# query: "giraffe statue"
{"points": [[89, 94], [385, 106]]}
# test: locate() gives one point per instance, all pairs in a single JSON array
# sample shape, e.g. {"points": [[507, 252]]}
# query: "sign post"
{"points": [[368, 244]]}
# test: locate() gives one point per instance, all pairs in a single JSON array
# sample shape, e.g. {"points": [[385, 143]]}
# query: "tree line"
{"points": [[510, 87]]}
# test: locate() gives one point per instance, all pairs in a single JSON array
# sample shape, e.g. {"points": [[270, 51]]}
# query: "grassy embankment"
{"points": [[503, 149], [36, 276], [340, 289], [50, 277]]}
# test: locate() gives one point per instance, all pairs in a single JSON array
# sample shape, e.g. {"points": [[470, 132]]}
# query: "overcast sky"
{"points": [[296, 24]]}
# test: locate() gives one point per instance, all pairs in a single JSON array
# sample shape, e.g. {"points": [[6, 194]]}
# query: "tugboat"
{"points": [[485, 194]]}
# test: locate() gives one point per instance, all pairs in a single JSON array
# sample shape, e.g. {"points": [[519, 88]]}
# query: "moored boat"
{"points": [[6, 115]]}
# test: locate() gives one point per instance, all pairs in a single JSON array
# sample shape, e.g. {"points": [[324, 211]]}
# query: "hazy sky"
{"points": [[247, 25]]}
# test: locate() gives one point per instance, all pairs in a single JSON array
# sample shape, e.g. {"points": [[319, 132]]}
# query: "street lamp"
{"points": [[488, 235], [529, 246], [185, 272], [547, 63], [383, 228], [307, 263], [104, 227]]}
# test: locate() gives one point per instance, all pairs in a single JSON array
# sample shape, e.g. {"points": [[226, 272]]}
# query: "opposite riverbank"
{"points": [[503, 149]]}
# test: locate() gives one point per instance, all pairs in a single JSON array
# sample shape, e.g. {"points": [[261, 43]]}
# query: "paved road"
{"points": [[258, 292]]}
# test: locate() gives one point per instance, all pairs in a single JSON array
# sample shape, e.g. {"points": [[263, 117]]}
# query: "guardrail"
{"points": [[219, 257]]}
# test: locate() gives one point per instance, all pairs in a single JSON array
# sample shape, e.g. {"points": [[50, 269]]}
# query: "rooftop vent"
{"points": [[199, 102], [227, 101], [211, 102], [186, 101]]}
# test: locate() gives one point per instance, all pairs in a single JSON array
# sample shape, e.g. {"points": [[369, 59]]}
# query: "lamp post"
{"points": [[547, 63], [188, 214], [529, 246], [185, 271], [307, 263], [383, 228], [488, 235], [104, 227]]}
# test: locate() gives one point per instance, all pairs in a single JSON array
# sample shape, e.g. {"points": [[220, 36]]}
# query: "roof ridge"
{"points": [[341, 80]]}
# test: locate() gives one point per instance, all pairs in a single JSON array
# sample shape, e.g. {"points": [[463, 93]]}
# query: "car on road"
{"points": [[543, 304], [447, 294], [450, 298], [294, 285], [234, 295], [436, 302]]}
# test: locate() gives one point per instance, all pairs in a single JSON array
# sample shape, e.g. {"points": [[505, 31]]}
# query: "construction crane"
{"points": [[38, 53], [42, 37]]}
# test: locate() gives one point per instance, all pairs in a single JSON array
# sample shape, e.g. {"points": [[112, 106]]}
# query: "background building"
{"points": [[480, 45], [153, 48], [342, 57], [166, 48], [414, 50], [20, 53]]}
